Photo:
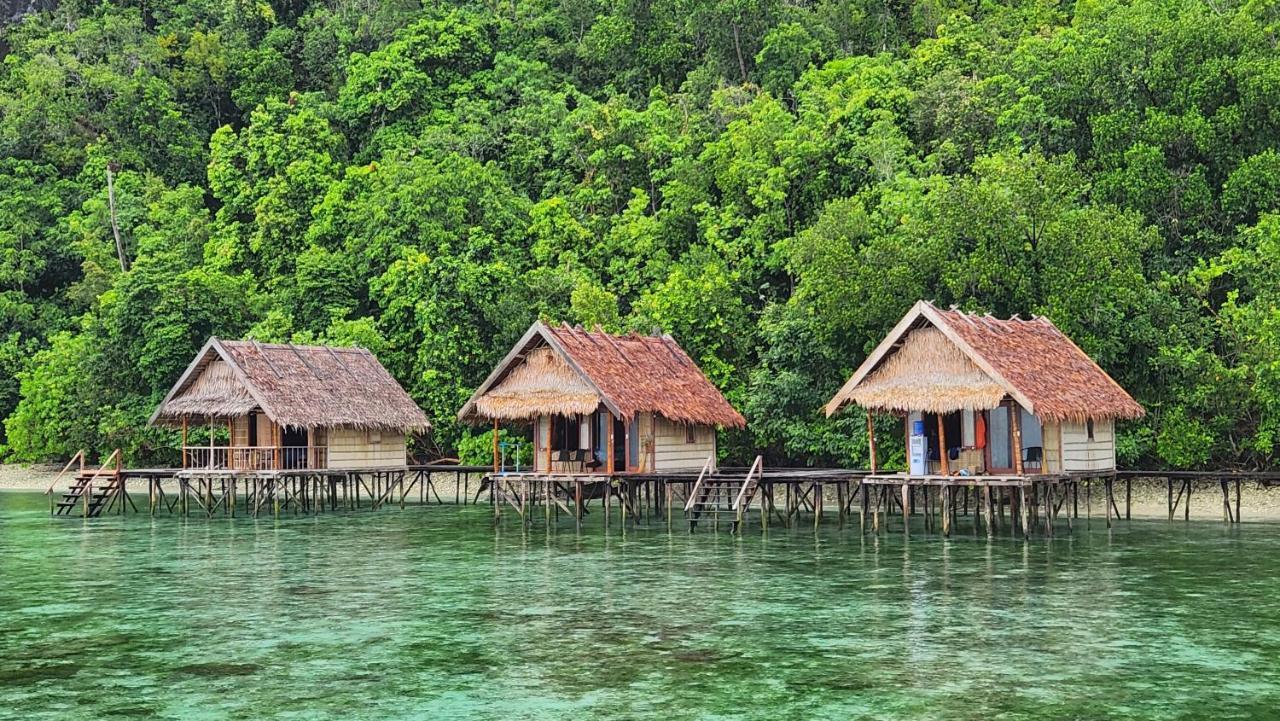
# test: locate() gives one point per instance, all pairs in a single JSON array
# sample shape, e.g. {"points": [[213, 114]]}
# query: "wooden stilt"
{"points": [[1226, 501], [1237, 500], [1107, 501], [840, 490], [987, 510], [817, 505], [906, 506], [863, 502], [946, 510], [1024, 511]]}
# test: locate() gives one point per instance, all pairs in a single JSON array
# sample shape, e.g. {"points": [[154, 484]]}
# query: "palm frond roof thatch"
{"points": [[940, 361], [568, 370], [293, 385]]}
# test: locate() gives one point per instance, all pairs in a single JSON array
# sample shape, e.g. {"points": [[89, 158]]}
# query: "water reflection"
{"points": [[437, 613]]}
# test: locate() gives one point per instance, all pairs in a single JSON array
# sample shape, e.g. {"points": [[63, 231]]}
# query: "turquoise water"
{"points": [[432, 613]]}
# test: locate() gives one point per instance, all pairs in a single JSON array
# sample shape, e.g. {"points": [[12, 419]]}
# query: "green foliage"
{"points": [[476, 449], [772, 183]]}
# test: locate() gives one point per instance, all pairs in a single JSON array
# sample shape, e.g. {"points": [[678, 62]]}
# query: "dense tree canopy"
{"points": [[773, 183]]}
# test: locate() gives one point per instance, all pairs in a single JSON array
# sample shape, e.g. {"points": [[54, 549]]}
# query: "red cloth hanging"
{"points": [[980, 429]]}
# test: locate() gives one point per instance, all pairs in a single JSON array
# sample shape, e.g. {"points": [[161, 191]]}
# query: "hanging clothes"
{"points": [[980, 430]]}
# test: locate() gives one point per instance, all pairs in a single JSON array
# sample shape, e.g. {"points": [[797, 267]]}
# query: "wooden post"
{"points": [[1128, 498], [1226, 501], [1107, 501], [1169, 484], [1024, 510], [946, 510], [863, 502], [840, 506], [550, 419], [1015, 422], [906, 507], [608, 464], [988, 511], [817, 505], [495, 447], [943, 461], [871, 440], [184, 441], [1237, 500], [1048, 508]]}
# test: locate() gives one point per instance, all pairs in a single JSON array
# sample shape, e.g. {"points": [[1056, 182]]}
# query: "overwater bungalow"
{"points": [[981, 396], [603, 404], [283, 407]]}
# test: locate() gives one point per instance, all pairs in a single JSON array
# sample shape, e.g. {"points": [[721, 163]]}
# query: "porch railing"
{"points": [[255, 458]]}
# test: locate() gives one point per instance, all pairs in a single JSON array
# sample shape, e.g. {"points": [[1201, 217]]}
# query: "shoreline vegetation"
{"points": [[1149, 500], [771, 183]]}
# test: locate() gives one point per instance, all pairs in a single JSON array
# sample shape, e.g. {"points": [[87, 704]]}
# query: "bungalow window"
{"points": [[253, 429], [690, 433], [375, 437], [566, 433], [1088, 428], [951, 425]]}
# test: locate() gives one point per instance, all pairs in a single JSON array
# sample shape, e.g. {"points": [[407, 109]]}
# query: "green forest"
{"points": [[773, 183]]}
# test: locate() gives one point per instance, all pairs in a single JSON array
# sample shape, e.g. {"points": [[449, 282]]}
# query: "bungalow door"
{"points": [[1000, 440], [1000, 446], [640, 443]]}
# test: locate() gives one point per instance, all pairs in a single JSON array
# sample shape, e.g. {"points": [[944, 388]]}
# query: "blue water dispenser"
{"points": [[918, 450]]}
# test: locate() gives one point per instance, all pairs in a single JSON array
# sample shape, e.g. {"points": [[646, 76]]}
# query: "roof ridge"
{"points": [[310, 367], [300, 346], [664, 363], [613, 343], [265, 357], [575, 331], [667, 342], [340, 362]]}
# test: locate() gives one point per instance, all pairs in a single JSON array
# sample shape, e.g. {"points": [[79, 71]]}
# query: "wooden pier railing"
{"points": [[749, 487], [255, 458], [697, 486], [92, 492], [77, 458]]}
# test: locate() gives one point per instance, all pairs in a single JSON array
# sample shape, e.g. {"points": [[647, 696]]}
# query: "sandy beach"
{"points": [[16, 477]]}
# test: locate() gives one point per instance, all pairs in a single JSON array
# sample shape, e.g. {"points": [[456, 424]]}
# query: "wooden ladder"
{"points": [[92, 492], [717, 496]]}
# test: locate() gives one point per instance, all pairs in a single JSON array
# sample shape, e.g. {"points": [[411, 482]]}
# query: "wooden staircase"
{"points": [[717, 496], [92, 491]]}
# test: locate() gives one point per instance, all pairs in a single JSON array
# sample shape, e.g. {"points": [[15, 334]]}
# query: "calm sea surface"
{"points": [[432, 613]]}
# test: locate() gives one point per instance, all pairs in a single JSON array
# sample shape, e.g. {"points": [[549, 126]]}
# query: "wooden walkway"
{"points": [[214, 492], [726, 497]]}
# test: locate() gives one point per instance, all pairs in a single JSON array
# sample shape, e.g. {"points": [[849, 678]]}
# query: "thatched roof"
{"points": [[568, 370], [294, 386], [543, 381], [944, 360]]}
